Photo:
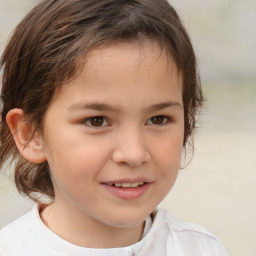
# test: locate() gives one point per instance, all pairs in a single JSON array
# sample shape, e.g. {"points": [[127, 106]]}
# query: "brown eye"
{"points": [[159, 120], [97, 121]]}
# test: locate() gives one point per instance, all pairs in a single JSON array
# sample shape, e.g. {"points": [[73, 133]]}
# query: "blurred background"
{"points": [[218, 188]]}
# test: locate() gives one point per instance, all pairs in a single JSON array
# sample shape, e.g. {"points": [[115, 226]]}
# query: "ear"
{"points": [[29, 144]]}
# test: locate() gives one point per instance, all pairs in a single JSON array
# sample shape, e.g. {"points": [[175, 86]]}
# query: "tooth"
{"points": [[126, 185]]}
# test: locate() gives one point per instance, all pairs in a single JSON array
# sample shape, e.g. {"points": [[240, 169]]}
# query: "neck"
{"points": [[80, 229]]}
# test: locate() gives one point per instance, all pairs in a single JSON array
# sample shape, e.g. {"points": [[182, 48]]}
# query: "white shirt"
{"points": [[28, 236]]}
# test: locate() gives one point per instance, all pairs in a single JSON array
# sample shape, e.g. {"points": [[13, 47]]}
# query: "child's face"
{"points": [[118, 123]]}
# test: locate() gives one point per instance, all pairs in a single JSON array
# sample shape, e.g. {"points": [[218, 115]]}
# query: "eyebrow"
{"points": [[107, 107], [164, 105], [92, 106]]}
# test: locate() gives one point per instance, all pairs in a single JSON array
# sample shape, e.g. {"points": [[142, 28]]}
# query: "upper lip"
{"points": [[129, 180]]}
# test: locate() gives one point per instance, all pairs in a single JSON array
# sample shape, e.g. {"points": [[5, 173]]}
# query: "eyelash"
{"points": [[166, 120], [88, 122], [104, 122]]}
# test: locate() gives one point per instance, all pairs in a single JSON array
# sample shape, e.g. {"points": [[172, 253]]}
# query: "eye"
{"points": [[159, 120], [96, 121]]}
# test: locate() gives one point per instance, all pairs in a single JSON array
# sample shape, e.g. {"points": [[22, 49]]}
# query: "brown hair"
{"points": [[43, 51]]}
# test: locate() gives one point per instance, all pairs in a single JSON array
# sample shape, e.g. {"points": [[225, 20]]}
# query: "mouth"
{"points": [[127, 190], [126, 185]]}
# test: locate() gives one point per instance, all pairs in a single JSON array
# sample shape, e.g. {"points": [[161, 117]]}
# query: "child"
{"points": [[99, 101]]}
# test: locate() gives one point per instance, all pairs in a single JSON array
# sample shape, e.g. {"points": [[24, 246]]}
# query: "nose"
{"points": [[131, 149]]}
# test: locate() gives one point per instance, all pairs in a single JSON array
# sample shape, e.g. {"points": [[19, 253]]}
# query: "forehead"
{"points": [[124, 64], [137, 56], [143, 52]]}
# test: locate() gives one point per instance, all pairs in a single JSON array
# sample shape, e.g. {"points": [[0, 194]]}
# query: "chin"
{"points": [[128, 219]]}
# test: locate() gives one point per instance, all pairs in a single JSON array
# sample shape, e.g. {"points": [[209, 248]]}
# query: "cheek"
{"points": [[169, 166], [76, 163], [168, 157], [74, 172]]}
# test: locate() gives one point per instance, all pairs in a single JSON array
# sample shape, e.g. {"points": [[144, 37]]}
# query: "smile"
{"points": [[127, 185], [127, 190]]}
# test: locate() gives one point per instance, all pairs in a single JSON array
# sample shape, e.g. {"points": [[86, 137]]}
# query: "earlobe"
{"points": [[29, 144]]}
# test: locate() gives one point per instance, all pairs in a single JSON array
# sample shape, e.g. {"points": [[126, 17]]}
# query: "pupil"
{"points": [[97, 121], [157, 120]]}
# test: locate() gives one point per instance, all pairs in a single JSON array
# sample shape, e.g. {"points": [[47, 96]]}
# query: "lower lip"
{"points": [[128, 193]]}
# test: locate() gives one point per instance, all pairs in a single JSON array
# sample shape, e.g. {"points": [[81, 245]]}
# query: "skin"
{"points": [[125, 85]]}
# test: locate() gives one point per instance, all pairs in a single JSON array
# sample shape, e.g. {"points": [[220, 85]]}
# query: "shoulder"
{"points": [[181, 226], [16, 228], [189, 236], [15, 234]]}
